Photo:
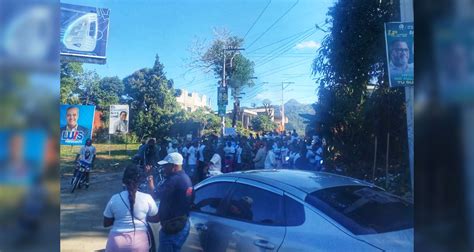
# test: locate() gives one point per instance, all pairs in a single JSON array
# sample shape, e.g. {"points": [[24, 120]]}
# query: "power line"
{"points": [[281, 40], [274, 23], [281, 50], [285, 67], [258, 18], [287, 46]]}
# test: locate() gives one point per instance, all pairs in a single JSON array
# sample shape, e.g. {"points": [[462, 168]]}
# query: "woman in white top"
{"points": [[127, 212]]}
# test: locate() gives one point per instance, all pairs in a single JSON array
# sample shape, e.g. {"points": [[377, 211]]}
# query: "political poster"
{"points": [[76, 123], [400, 48], [118, 120], [84, 32], [222, 96]]}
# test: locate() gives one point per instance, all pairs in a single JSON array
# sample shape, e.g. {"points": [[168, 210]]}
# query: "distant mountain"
{"points": [[293, 110]]}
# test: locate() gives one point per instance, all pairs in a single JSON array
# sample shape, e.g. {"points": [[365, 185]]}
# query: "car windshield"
{"points": [[363, 210]]}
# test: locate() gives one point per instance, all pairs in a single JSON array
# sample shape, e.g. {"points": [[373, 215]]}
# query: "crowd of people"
{"points": [[213, 155], [186, 162]]}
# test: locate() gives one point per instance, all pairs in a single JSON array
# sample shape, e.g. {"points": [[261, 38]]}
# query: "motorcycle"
{"points": [[79, 178]]}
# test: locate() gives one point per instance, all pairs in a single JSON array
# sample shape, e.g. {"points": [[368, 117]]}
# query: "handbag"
{"points": [[174, 225], [151, 237]]}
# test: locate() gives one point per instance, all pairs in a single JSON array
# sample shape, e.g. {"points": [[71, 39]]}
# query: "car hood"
{"points": [[391, 241]]}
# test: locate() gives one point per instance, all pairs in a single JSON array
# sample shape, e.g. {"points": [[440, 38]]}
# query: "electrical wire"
{"points": [[274, 23], [258, 18]]}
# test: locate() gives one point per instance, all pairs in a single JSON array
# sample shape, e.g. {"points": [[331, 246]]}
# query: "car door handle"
{"points": [[264, 244], [201, 227]]}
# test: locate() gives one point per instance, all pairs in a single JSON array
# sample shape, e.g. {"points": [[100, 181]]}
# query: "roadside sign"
{"points": [[221, 110], [222, 96]]}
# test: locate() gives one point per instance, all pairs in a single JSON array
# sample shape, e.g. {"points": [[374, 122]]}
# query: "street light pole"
{"points": [[223, 85]]}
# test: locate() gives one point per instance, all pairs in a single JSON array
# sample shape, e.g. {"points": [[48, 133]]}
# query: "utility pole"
{"points": [[406, 15], [224, 84], [283, 87]]}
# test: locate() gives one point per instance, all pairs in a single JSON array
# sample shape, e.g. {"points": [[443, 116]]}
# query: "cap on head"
{"points": [[172, 158]]}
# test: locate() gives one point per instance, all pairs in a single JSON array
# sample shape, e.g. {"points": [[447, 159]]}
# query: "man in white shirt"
{"points": [[87, 155], [270, 160], [192, 161], [172, 148], [238, 154], [184, 153], [202, 162], [121, 126], [215, 165]]}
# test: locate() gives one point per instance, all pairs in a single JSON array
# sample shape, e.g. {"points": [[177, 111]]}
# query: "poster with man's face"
{"points": [[76, 123], [118, 121], [400, 47]]}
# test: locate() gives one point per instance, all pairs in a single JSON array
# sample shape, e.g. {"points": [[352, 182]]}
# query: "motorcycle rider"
{"points": [[86, 156]]}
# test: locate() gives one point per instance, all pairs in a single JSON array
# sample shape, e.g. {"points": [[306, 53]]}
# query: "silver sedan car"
{"points": [[293, 210]]}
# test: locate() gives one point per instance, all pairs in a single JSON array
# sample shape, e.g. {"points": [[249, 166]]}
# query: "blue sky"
{"points": [[141, 29]]}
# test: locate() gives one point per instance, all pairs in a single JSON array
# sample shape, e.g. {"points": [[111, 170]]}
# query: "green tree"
{"points": [[89, 89], [69, 77], [263, 123], [209, 123], [111, 90], [153, 106], [239, 71], [352, 57]]}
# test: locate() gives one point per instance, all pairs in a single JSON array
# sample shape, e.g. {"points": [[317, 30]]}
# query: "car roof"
{"points": [[306, 181]]}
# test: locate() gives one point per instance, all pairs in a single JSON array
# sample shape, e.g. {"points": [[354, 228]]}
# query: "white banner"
{"points": [[230, 132], [118, 119]]}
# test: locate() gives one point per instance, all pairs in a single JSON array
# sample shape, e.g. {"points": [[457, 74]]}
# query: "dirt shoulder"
{"points": [[82, 212]]}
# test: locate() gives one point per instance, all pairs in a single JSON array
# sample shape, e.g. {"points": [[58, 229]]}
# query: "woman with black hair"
{"points": [[128, 212]]}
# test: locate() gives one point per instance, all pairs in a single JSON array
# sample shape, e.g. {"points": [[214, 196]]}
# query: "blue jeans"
{"points": [[173, 243]]}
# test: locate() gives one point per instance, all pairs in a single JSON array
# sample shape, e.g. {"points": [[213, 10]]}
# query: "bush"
{"points": [[101, 135]]}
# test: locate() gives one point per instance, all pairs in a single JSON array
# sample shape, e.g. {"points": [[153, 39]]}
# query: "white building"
{"points": [[247, 114], [191, 101]]}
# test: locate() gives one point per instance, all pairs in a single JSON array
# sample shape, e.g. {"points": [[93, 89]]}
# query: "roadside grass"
{"points": [[119, 157]]}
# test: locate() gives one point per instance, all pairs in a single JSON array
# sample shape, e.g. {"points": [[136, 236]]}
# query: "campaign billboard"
{"points": [[118, 119], [84, 32], [76, 123], [400, 48], [28, 35]]}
